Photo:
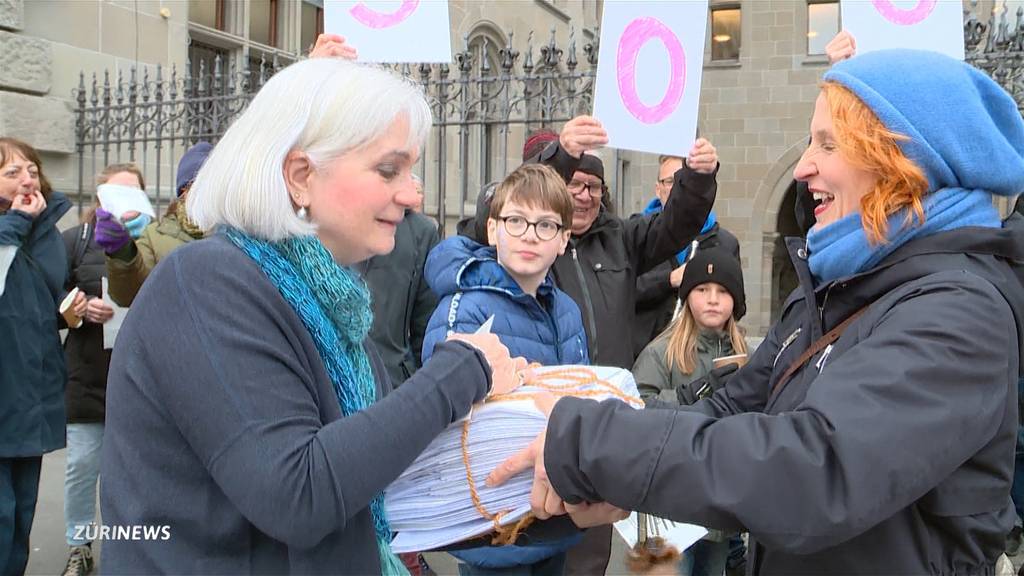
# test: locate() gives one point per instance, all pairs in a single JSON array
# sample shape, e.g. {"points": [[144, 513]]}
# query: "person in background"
{"points": [[402, 300], [33, 268], [672, 367], [88, 363], [907, 325], [656, 290], [130, 257]]}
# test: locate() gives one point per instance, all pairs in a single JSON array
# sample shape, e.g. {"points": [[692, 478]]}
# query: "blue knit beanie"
{"points": [[190, 164], [965, 131]]}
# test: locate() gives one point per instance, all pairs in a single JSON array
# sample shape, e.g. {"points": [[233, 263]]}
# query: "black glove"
{"points": [[703, 387]]}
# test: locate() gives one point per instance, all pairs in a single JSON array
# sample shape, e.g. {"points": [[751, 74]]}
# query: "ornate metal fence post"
{"points": [[486, 99], [996, 46]]}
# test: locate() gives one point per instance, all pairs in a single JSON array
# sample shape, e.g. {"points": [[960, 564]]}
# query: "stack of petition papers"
{"points": [[430, 504]]}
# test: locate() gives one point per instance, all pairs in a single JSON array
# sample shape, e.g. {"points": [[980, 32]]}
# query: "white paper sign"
{"points": [[936, 25], [649, 73], [118, 199], [677, 534], [113, 326], [392, 30]]}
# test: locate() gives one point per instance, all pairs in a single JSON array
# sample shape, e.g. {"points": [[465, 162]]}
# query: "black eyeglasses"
{"points": [[517, 226], [666, 182], [595, 190]]}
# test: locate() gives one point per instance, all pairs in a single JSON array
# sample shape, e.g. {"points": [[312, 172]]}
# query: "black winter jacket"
{"points": [[32, 370], [599, 268], [891, 452], [402, 300], [87, 361]]}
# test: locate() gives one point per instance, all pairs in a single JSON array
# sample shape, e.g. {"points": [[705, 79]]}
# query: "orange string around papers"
{"points": [[579, 377], [429, 506]]}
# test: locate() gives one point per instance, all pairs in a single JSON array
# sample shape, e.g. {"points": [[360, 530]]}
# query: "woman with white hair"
{"points": [[247, 427]]}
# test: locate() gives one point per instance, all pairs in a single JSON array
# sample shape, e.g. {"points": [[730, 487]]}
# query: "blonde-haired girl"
{"points": [[712, 302]]}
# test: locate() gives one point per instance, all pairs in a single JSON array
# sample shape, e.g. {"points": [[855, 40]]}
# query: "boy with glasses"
{"points": [[527, 228]]}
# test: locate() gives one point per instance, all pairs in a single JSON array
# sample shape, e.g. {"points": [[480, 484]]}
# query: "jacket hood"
{"points": [[458, 264]]}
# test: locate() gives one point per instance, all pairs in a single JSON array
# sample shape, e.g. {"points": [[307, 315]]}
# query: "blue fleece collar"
{"points": [[655, 206], [841, 249]]}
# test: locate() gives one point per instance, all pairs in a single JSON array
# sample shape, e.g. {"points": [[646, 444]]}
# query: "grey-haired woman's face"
{"points": [[358, 199]]}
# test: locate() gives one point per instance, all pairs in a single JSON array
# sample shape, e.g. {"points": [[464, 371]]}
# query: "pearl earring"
{"points": [[301, 213]]}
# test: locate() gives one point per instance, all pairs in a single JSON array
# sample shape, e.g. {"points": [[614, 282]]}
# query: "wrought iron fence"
{"points": [[475, 101], [488, 93], [995, 44]]}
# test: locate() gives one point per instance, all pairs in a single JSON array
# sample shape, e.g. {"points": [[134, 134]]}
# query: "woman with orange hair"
{"points": [[872, 432]]}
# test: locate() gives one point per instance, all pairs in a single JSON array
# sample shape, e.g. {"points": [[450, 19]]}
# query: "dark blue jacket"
{"points": [[472, 286], [547, 329], [223, 425], [32, 372]]}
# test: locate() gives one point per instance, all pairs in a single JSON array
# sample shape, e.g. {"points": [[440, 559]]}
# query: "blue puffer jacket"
{"points": [[472, 286], [32, 372], [548, 329]]}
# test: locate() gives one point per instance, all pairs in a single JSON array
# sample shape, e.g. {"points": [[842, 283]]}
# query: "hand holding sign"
{"points": [[581, 134], [841, 47], [332, 46], [703, 157]]}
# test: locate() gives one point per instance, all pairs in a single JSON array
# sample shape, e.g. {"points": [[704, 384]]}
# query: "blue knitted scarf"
{"points": [[334, 305], [841, 249]]}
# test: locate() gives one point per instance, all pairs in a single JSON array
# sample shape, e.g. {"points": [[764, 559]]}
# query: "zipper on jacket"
{"points": [[824, 358], [785, 344], [821, 309], [589, 304]]}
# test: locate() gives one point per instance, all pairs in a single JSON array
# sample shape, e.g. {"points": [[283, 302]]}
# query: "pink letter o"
{"points": [[903, 17], [373, 19], [636, 34]]}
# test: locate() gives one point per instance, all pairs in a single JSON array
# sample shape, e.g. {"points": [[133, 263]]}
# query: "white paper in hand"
{"points": [[118, 199], [112, 326]]}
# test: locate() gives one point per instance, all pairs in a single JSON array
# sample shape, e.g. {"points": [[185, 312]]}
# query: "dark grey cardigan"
{"points": [[223, 425]]}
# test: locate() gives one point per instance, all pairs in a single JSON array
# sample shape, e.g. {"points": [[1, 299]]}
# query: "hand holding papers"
{"points": [[506, 372], [119, 200], [442, 498]]}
